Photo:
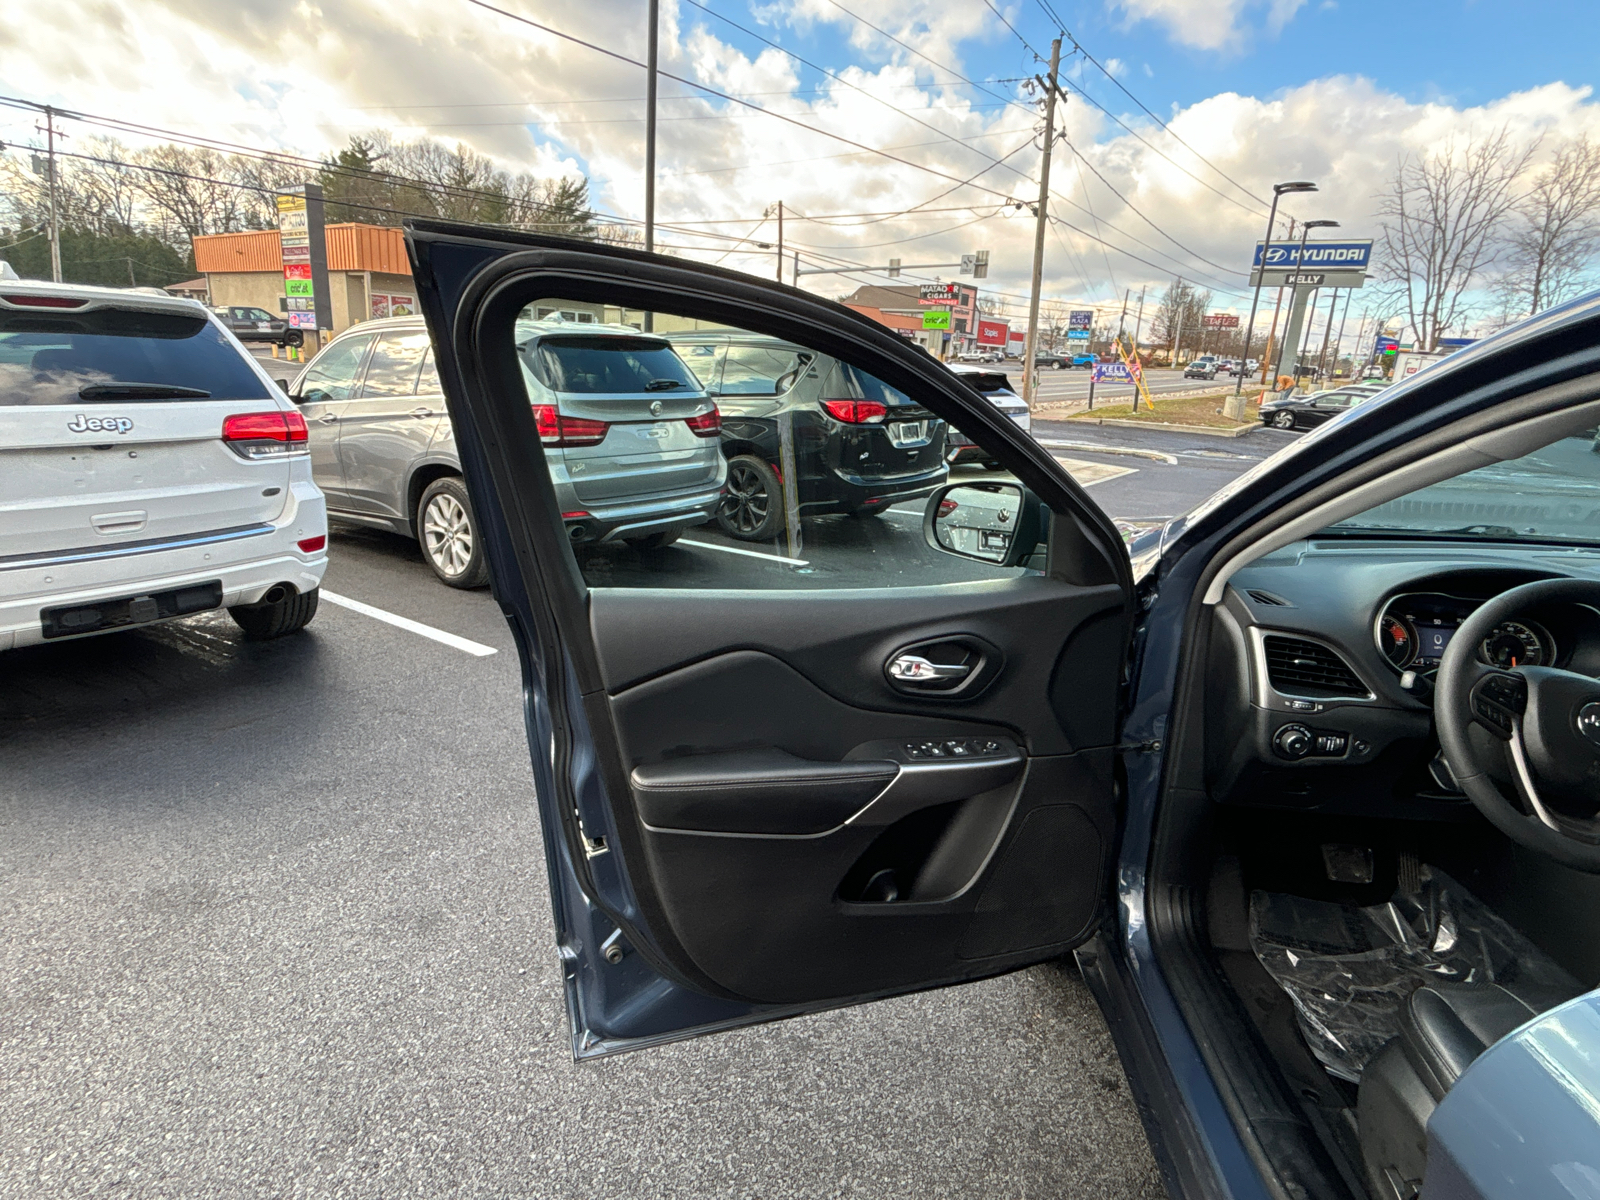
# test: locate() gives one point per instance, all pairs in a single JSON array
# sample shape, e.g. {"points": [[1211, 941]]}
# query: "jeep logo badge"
{"points": [[83, 424]]}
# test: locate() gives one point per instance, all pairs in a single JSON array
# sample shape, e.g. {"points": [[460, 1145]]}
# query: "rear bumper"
{"points": [[246, 564], [641, 518], [848, 493]]}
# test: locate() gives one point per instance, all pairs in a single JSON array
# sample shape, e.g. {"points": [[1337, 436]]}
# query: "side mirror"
{"points": [[997, 523], [283, 385]]}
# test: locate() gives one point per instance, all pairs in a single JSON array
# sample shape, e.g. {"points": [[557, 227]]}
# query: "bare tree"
{"points": [[1556, 232], [1441, 220], [191, 191], [1179, 316]]}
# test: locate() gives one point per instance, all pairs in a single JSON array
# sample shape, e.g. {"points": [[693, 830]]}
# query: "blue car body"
{"points": [[1208, 1132]]}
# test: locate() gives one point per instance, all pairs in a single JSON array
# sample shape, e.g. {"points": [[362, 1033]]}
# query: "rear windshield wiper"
{"points": [[140, 391], [661, 385]]}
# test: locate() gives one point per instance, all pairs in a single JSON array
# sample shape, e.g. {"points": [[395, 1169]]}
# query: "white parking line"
{"points": [[793, 562], [477, 649]]}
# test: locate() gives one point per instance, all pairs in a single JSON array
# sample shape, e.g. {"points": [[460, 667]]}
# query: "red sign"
{"points": [[1018, 335], [297, 270], [1220, 321], [992, 333]]}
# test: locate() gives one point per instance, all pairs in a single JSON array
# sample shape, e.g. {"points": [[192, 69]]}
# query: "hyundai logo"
{"points": [[83, 424], [1588, 721]]}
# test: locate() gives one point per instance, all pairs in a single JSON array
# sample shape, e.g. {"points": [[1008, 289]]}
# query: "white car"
{"points": [[149, 469], [996, 387]]}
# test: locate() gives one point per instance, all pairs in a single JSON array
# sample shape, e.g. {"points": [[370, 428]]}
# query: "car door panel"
{"points": [[708, 763]]}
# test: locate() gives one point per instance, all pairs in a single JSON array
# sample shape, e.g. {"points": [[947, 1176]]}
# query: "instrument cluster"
{"points": [[1413, 631]]}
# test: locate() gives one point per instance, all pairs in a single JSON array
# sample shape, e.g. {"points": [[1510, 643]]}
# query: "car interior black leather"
{"points": [[762, 790], [1445, 1026]]}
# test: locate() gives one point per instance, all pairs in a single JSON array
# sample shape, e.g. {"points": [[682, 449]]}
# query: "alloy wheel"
{"points": [[745, 506], [1284, 420], [447, 534]]}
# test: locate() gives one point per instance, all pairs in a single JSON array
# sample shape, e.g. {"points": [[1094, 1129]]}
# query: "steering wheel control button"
{"points": [[1588, 722]]}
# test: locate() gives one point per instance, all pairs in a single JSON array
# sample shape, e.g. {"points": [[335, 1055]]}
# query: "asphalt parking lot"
{"points": [[277, 925]]}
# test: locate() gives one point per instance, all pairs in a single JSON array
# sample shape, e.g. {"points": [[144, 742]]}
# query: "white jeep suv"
{"points": [[149, 469]]}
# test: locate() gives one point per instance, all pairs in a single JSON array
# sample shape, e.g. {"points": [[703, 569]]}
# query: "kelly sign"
{"points": [[1111, 372], [1340, 264]]}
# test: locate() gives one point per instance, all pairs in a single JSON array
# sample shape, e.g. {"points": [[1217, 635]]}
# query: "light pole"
{"points": [[1236, 405], [1296, 308]]}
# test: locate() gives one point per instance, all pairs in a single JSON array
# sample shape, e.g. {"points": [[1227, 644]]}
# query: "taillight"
{"points": [[265, 434], [856, 412], [555, 429], [312, 545], [26, 301], [946, 507], [706, 424]]}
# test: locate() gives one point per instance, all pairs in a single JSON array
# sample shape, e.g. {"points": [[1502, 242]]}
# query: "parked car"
{"points": [[859, 445], [1085, 360], [1296, 411], [983, 355], [1053, 362], [1201, 368], [629, 435], [996, 388], [1219, 763], [250, 324], [149, 469]]}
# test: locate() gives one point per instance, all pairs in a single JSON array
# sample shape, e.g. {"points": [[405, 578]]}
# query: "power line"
{"points": [[1013, 28], [1120, 86]]}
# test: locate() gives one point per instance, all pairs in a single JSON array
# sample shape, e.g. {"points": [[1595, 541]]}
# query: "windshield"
{"points": [[610, 365], [1550, 495], [79, 360]]}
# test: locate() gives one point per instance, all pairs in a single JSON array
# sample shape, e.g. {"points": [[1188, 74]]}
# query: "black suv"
{"points": [[857, 445], [251, 324]]}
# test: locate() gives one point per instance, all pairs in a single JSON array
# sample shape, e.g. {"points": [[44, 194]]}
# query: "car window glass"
{"points": [[663, 481], [101, 349], [759, 370], [392, 370], [704, 359], [258, 314], [428, 378], [332, 376], [579, 364]]}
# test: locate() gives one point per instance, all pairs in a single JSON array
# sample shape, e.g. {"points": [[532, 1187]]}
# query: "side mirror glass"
{"points": [[283, 385], [998, 523]]}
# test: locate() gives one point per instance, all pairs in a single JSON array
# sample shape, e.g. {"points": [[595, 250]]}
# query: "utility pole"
{"points": [[50, 167], [1042, 218], [1138, 322], [1122, 321], [780, 241], [1177, 337], [651, 61], [1338, 343]]}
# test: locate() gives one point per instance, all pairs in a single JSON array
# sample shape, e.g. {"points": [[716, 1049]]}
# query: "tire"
{"points": [[276, 618], [1058, 365], [294, 339], [752, 509], [1283, 420], [658, 541], [448, 536]]}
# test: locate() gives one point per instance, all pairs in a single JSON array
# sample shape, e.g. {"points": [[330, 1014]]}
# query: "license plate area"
{"points": [[904, 434], [70, 620]]}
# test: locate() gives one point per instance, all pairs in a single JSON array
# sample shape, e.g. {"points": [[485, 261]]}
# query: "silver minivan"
{"points": [[630, 436]]}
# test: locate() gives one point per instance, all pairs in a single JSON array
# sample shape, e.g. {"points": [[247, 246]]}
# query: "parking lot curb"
{"points": [[1207, 430], [1127, 451]]}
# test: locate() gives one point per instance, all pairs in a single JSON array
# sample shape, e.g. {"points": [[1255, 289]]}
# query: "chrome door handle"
{"points": [[422, 410], [914, 668], [328, 418]]}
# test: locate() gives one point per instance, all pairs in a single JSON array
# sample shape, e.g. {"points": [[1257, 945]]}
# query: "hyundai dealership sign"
{"points": [[1341, 264]]}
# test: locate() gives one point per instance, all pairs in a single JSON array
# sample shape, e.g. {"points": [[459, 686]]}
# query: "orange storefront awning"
{"points": [[351, 247]]}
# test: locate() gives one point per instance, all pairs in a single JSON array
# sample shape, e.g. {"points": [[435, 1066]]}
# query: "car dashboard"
{"points": [[1322, 658]]}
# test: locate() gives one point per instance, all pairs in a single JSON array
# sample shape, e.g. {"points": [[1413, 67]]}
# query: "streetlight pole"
{"points": [[1297, 304], [651, 61], [1235, 406]]}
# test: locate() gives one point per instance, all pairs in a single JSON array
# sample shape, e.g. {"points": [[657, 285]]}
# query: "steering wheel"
{"points": [[1532, 731]]}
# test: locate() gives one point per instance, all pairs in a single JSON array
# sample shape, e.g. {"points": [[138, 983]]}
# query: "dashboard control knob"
{"points": [[1294, 741]]}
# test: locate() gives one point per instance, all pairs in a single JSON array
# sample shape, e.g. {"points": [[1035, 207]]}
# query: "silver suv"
{"points": [[630, 436]]}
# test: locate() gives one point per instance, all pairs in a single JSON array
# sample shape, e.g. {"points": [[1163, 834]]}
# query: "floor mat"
{"points": [[1348, 969]]}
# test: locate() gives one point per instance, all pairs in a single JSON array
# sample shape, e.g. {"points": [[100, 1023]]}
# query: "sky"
{"points": [[1251, 91]]}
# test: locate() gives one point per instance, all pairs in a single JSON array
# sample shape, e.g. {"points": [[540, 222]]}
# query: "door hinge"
{"points": [[1141, 747], [593, 847]]}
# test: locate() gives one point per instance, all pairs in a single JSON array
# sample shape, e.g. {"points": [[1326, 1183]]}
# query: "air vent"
{"points": [[1261, 597], [1302, 668]]}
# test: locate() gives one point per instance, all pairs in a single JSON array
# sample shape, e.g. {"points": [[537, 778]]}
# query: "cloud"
{"points": [[1210, 24], [541, 104]]}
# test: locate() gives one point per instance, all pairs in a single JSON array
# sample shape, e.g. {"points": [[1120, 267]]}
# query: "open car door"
{"points": [[873, 753]]}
